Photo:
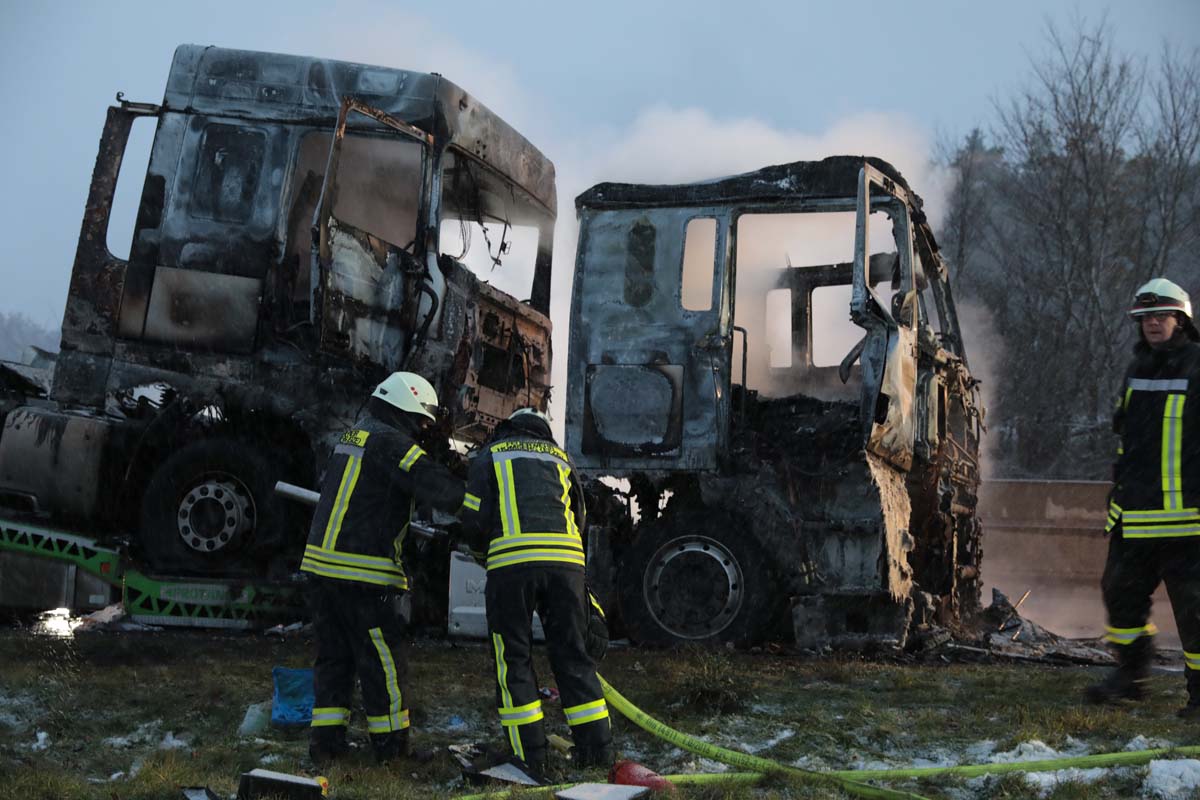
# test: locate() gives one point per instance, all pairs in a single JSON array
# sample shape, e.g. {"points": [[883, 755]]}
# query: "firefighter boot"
{"points": [[327, 744], [1128, 680], [1192, 709], [389, 747], [596, 755]]}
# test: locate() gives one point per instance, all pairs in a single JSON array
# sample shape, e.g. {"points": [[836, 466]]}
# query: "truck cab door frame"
{"points": [[889, 349]]}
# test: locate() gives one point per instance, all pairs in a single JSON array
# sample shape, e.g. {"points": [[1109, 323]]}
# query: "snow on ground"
{"points": [[18, 711], [146, 732], [172, 742], [1140, 742], [1173, 779], [758, 747], [42, 743]]}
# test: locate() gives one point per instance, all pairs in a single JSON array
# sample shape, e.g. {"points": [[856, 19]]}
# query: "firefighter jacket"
{"points": [[523, 503], [374, 480], [1156, 491]]}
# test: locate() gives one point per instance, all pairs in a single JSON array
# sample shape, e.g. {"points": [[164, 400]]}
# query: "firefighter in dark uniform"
{"points": [[525, 507], [1154, 509], [376, 477]]}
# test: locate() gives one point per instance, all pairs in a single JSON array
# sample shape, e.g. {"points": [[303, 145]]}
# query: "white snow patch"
{"points": [[270, 758], [43, 741], [783, 735], [17, 710], [1045, 782], [138, 763], [170, 742], [145, 732], [1170, 779], [1036, 750], [1140, 742]]}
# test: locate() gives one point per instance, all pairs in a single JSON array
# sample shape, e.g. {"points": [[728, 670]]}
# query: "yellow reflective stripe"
{"points": [[1160, 531], [1136, 516], [526, 556], [510, 520], [565, 541], [1128, 394], [1172, 452], [387, 724], [514, 735], [1129, 635], [342, 501], [1114, 516], [471, 502], [396, 717], [564, 473], [595, 604], [411, 457], [333, 569], [1191, 660], [521, 715], [586, 712], [330, 716]]}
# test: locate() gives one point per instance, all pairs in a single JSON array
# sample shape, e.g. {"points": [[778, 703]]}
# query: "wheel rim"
{"points": [[693, 587], [216, 513]]}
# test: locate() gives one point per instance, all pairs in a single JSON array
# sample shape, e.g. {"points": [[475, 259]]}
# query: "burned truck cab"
{"points": [[769, 396], [305, 227]]}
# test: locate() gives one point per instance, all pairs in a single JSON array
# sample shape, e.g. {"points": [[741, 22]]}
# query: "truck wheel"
{"points": [[206, 504], [695, 579]]}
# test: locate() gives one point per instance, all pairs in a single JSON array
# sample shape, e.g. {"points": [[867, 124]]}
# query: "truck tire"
{"points": [[697, 578], [207, 505]]}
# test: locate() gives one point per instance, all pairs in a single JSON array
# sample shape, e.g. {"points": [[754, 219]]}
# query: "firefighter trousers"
{"points": [[359, 632], [556, 593], [1134, 569]]}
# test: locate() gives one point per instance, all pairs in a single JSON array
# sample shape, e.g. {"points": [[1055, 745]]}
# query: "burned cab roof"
{"points": [[277, 87], [836, 176]]}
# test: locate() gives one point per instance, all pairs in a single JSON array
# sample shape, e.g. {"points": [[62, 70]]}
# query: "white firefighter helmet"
{"points": [[532, 411], [409, 392], [1161, 294]]}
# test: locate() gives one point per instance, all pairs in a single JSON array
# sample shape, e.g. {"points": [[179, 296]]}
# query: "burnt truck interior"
{"points": [[305, 227], [770, 400]]}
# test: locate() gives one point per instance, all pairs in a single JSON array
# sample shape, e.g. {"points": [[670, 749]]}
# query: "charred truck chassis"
{"points": [[837, 501], [285, 258]]}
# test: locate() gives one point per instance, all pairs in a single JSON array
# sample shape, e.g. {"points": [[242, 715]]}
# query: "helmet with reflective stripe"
{"points": [[532, 411], [1161, 294], [409, 392]]}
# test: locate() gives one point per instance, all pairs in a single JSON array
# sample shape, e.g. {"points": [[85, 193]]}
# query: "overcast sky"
{"points": [[636, 91]]}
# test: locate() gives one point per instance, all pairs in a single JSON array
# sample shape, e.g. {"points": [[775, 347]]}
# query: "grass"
{"points": [[835, 713]]}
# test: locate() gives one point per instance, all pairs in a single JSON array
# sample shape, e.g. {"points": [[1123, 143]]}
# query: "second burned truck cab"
{"points": [[305, 227], [768, 389]]}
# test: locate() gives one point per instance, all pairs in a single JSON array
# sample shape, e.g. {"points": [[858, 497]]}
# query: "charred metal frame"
{"points": [[208, 303], [859, 516]]}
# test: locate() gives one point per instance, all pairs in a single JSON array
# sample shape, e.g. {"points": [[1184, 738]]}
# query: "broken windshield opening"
{"points": [[489, 225], [793, 286]]}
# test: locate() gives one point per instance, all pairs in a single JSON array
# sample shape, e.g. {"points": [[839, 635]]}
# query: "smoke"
{"points": [[985, 352]]}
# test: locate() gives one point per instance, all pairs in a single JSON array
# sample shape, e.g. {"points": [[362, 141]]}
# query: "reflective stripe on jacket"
{"points": [[523, 501], [376, 473], [1157, 476]]}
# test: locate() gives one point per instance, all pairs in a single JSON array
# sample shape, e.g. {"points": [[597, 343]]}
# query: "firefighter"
{"points": [[525, 507], [1154, 508], [377, 475]]}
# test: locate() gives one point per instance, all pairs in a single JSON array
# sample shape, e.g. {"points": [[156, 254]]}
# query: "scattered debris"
{"points": [[199, 793], [42, 743], [549, 694], [102, 618], [284, 631], [255, 720], [265, 783], [601, 791], [631, 773]]}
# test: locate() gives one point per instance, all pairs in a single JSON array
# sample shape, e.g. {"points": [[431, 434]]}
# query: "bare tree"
{"points": [[1091, 189]]}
